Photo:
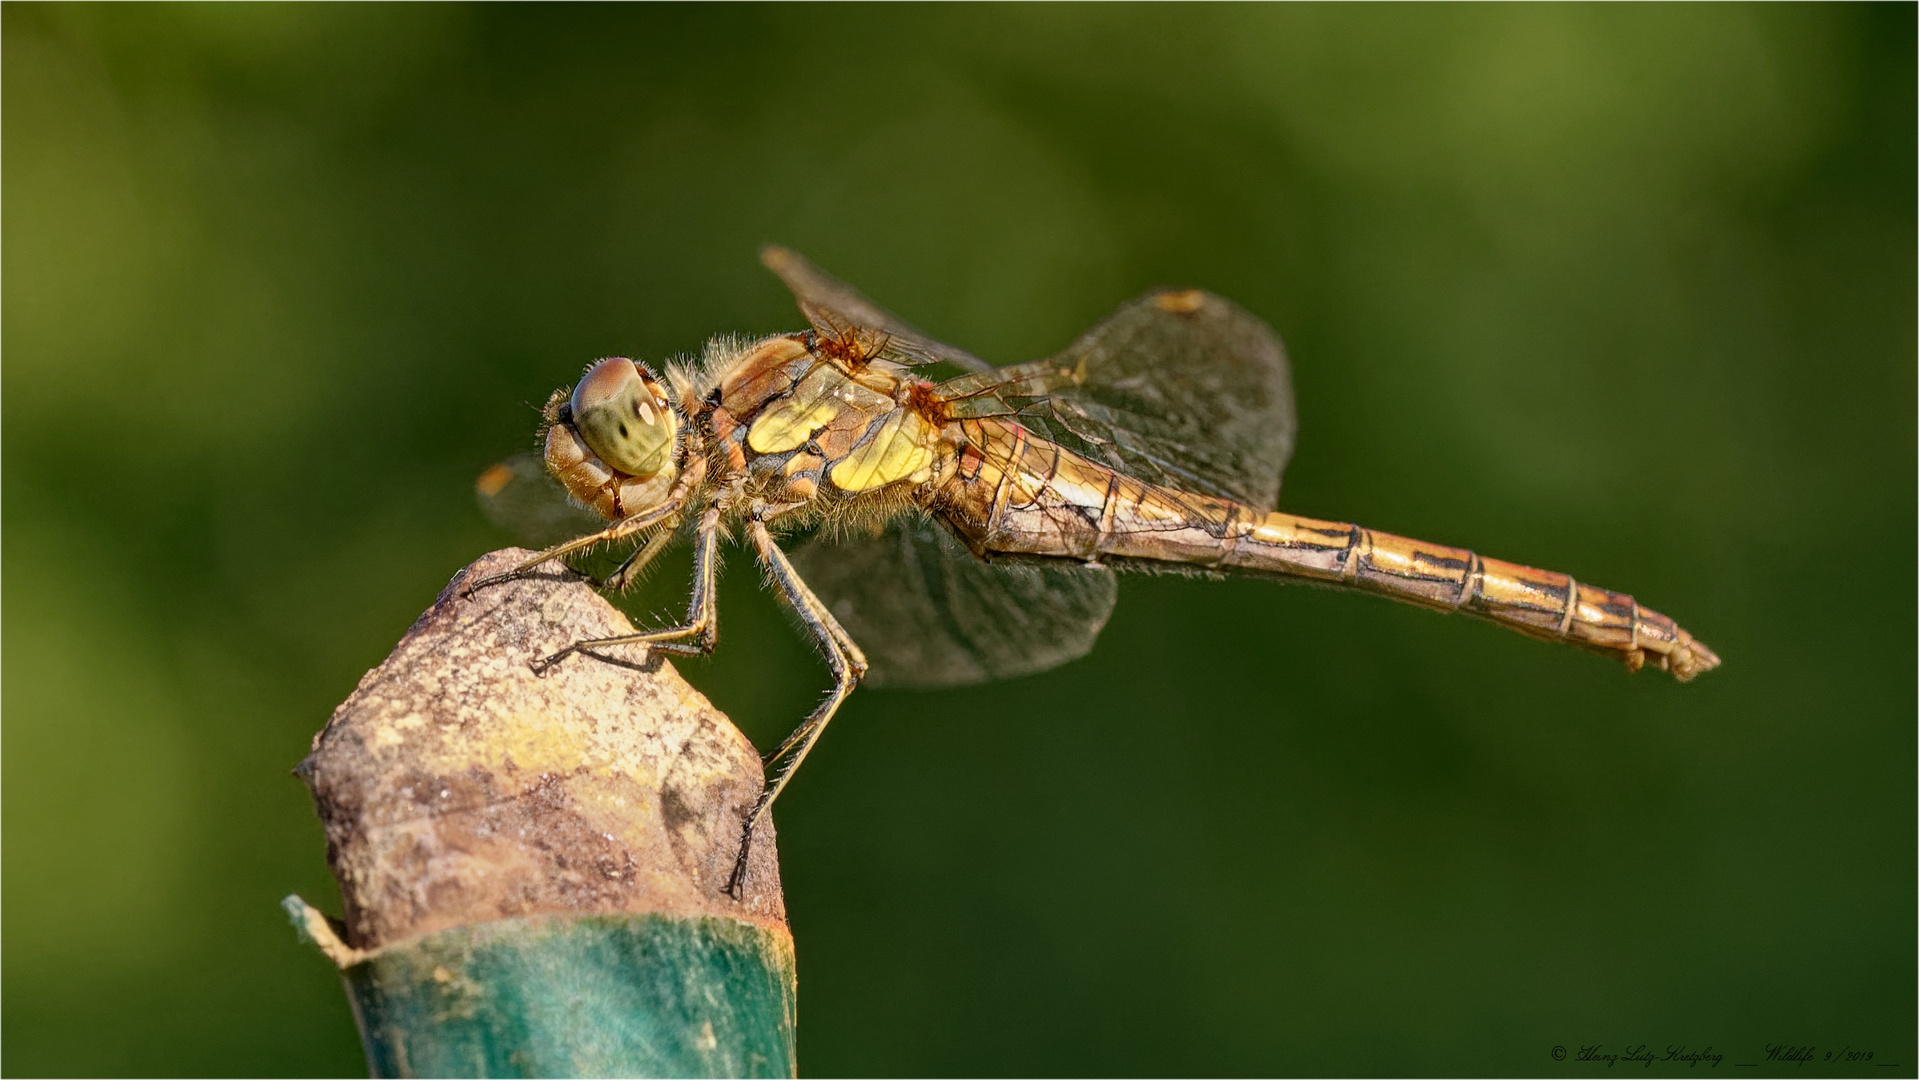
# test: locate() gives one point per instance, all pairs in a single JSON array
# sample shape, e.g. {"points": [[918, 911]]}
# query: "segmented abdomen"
{"points": [[1017, 494]]}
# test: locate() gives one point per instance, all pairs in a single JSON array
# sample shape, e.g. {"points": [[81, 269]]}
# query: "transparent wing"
{"points": [[928, 613], [1184, 389], [838, 309], [519, 495]]}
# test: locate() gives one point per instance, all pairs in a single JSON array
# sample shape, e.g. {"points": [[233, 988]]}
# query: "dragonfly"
{"points": [[958, 529]]}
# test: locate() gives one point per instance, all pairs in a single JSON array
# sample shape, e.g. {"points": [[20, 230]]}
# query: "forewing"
{"points": [[1184, 389], [519, 495], [838, 309], [927, 613]]}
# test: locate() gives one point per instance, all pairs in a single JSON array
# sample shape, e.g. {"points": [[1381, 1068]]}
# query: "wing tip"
{"points": [[777, 257], [1180, 301]]}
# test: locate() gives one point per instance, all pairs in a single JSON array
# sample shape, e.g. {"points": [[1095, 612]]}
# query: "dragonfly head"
{"points": [[624, 416], [612, 443]]}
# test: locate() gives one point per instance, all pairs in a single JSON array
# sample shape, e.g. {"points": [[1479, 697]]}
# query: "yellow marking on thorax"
{"points": [[897, 451], [813, 404], [790, 425]]}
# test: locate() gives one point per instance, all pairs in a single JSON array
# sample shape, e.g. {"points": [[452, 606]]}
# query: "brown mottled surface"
{"points": [[457, 786]]}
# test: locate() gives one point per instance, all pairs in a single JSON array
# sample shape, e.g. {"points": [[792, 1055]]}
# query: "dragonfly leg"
{"points": [[629, 571], [700, 633], [616, 531], [842, 655]]}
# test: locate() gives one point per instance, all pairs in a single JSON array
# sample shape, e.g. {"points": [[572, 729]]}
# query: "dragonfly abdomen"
{"points": [[1539, 603], [1016, 494]]}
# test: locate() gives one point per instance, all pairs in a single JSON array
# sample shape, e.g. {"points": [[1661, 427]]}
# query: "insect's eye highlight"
{"points": [[623, 417]]}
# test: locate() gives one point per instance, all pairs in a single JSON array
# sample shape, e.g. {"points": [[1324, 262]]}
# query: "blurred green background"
{"points": [[280, 281]]}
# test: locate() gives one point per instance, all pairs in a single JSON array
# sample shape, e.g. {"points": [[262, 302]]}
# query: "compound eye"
{"points": [[624, 418], [603, 383]]}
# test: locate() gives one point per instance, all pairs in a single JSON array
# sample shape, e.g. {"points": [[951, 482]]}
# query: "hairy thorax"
{"points": [[803, 424]]}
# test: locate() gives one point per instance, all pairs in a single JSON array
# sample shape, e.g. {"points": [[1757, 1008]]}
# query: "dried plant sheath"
{"points": [[532, 865], [457, 786]]}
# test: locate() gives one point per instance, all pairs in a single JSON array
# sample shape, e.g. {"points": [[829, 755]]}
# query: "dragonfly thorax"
{"points": [[612, 442]]}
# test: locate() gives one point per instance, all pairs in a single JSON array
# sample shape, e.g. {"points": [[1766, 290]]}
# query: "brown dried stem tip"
{"points": [[458, 788]]}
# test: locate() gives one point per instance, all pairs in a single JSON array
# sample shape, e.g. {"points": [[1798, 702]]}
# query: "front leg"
{"points": [[700, 633], [842, 655], [628, 572], [618, 530]]}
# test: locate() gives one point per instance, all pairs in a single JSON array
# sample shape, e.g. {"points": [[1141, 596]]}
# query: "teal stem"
{"points": [[602, 995]]}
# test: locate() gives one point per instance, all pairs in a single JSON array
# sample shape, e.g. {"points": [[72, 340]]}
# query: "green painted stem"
{"points": [[608, 995], [533, 869]]}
